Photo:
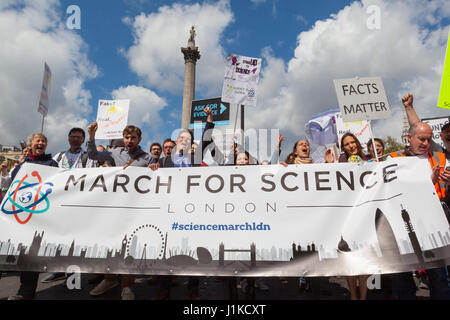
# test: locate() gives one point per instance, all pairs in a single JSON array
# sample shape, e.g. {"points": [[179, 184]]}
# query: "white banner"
{"points": [[45, 91], [112, 118], [324, 219], [362, 99], [241, 80]]}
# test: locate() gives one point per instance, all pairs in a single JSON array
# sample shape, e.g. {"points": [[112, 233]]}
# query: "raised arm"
{"points": [[407, 101], [92, 151], [206, 138], [276, 153]]}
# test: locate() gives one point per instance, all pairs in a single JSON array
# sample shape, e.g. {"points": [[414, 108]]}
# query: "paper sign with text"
{"points": [[45, 91], [362, 99], [436, 125], [112, 118], [241, 80], [444, 94]]}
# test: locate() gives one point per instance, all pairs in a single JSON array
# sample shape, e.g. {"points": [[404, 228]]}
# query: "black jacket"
{"points": [[45, 160]]}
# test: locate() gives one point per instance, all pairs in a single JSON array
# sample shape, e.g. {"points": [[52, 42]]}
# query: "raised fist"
{"points": [[408, 100], [92, 128]]}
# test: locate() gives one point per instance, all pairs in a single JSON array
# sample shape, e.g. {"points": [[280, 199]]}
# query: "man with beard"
{"points": [[129, 155]]}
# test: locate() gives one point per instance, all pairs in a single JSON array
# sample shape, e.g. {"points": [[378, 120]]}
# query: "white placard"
{"points": [[45, 91], [361, 129], [362, 99], [436, 125], [241, 80], [112, 118]]}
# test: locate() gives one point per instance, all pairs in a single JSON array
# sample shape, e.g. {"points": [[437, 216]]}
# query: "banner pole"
{"points": [[373, 141], [42, 126], [235, 119], [242, 125]]}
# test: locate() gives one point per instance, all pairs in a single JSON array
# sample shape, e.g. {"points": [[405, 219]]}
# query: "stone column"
{"points": [[191, 55]]}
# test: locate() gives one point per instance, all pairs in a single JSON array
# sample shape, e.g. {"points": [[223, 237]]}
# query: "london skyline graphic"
{"points": [[137, 257]]}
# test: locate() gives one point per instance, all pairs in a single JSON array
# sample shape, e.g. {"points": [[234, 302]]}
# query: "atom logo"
{"points": [[21, 193], [26, 197]]}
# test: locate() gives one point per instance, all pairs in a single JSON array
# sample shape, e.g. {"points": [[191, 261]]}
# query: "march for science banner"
{"points": [[310, 220]]}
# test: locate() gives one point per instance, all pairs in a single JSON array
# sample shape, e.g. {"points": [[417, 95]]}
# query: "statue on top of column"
{"points": [[192, 37]]}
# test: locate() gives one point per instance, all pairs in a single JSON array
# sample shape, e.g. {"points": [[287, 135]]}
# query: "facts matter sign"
{"points": [[362, 99]]}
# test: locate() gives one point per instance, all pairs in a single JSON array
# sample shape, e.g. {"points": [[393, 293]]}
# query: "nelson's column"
{"points": [[191, 55]]}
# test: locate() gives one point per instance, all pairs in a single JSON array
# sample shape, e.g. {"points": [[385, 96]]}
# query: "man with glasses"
{"points": [[168, 146], [155, 150], [75, 157]]}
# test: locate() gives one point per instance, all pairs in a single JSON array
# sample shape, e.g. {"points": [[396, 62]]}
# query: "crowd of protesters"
{"points": [[185, 153]]}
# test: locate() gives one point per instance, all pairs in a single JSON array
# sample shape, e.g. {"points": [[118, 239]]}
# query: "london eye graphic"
{"points": [[146, 243]]}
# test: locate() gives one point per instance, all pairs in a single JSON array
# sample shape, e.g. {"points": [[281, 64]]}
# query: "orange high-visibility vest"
{"points": [[440, 186]]}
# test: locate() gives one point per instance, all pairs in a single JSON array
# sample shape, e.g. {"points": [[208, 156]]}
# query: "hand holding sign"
{"points": [[209, 114]]}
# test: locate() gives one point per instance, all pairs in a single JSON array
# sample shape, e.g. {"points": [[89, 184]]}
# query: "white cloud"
{"points": [[407, 55], [145, 107], [32, 32], [158, 37]]}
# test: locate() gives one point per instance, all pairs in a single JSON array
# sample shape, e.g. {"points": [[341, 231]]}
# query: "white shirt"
{"points": [[71, 160]]}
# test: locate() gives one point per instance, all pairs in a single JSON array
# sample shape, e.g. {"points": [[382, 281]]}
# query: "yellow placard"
{"points": [[444, 94]]}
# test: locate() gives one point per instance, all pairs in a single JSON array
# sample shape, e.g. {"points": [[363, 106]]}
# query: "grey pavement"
{"points": [[210, 288]]}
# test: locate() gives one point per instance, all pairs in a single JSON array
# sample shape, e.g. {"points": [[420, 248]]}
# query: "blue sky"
{"points": [[257, 24], [131, 49]]}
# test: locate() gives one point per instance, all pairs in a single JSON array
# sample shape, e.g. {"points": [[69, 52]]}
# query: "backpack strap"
{"points": [[84, 159], [128, 163], [60, 155]]}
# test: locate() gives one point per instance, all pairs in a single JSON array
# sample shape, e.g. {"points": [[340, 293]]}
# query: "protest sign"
{"points": [[112, 118], [241, 80], [436, 125], [444, 93], [362, 99], [313, 220], [321, 128], [219, 109], [45, 91], [361, 129]]}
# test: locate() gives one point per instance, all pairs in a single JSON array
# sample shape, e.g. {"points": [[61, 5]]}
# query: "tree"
{"points": [[391, 145]]}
